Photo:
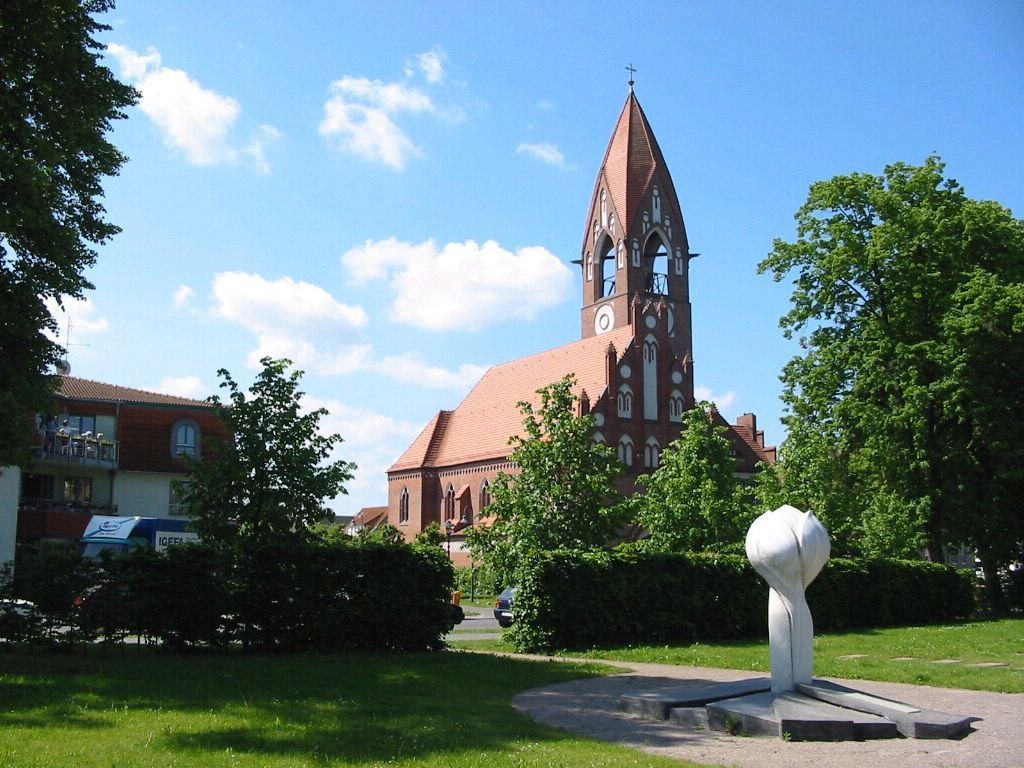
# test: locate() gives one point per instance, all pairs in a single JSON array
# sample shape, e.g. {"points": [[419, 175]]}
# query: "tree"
{"points": [[272, 476], [57, 103], [909, 295], [564, 495], [693, 500]]}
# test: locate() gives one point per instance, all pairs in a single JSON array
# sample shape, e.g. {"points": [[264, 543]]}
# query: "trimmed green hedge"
{"points": [[284, 594], [575, 601]]}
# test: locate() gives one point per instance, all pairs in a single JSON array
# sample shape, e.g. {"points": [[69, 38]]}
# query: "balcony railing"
{"points": [[657, 284], [78, 450]]}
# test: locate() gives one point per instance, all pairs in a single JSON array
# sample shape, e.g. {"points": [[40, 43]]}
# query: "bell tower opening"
{"points": [[656, 266], [606, 256]]}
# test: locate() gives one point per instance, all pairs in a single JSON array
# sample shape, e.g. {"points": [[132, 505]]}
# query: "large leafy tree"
{"points": [[909, 298], [693, 501], [273, 475], [57, 103], [564, 495]]}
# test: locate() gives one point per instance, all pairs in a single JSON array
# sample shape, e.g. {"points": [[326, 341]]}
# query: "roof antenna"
{"points": [[631, 69]]}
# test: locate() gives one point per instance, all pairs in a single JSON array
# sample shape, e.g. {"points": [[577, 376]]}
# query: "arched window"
{"points": [[625, 401], [652, 453], [625, 450], [675, 406], [449, 503], [185, 439], [598, 438], [650, 350], [403, 507], [607, 257], [485, 495], [656, 265]]}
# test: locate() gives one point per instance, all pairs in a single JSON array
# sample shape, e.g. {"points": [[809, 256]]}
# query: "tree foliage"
{"points": [[693, 500], [273, 475], [57, 103], [564, 495], [910, 300]]}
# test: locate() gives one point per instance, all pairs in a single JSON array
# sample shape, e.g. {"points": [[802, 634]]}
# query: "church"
{"points": [[633, 363]]}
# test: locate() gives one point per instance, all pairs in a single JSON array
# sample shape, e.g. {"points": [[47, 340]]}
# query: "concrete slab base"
{"points": [[822, 711]]}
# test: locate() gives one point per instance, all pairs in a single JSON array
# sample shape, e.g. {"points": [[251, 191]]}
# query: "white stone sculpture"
{"points": [[788, 548]]}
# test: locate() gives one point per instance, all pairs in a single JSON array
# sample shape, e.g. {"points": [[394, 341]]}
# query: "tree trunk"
{"points": [[993, 595]]}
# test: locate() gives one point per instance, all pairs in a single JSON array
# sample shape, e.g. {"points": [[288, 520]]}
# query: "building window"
{"points": [[403, 507], [625, 401], [449, 503], [78, 490], [485, 495], [77, 425], [652, 453], [650, 353], [675, 406], [185, 439], [625, 450]]}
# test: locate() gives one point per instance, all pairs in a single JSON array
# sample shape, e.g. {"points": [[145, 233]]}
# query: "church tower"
{"points": [[635, 251]]}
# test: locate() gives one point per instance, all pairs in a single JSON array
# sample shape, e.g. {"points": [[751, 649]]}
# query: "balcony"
{"points": [[77, 450]]}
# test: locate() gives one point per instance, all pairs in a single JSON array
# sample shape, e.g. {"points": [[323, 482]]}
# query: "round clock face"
{"points": [[604, 320]]}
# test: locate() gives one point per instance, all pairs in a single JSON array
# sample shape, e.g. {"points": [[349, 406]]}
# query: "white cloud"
{"points": [[361, 116], [76, 320], [289, 318], [431, 64], [300, 321], [722, 401], [183, 296], [191, 118], [360, 426], [272, 307], [546, 153], [462, 285], [367, 133], [407, 368], [183, 386]]}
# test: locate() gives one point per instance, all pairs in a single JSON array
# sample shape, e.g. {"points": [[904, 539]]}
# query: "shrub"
{"points": [[570, 600]]}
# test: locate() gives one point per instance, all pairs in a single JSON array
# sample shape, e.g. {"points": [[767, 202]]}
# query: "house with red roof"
{"points": [[633, 363], [110, 450]]}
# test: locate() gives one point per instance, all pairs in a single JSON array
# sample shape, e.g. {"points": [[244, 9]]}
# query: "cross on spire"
{"points": [[631, 69]]}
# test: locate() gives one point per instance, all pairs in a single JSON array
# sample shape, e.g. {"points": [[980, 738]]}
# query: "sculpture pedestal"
{"points": [[789, 548]]}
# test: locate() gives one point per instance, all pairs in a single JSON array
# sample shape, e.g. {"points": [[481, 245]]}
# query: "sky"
{"points": [[391, 194]]}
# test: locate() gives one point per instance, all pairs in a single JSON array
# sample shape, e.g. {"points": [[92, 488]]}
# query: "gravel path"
{"points": [[591, 707]]}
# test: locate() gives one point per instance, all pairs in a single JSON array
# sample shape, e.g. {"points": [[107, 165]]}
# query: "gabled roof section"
{"points": [[74, 388], [424, 446], [480, 428]]}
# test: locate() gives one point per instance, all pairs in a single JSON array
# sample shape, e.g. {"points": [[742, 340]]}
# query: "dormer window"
{"points": [[185, 439]]}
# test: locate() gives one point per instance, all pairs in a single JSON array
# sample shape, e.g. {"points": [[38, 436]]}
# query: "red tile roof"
{"points": [[74, 388], [480, 428], [370, 517]]}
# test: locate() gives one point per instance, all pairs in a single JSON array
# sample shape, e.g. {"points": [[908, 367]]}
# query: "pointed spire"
{"points": [[632, 165]]}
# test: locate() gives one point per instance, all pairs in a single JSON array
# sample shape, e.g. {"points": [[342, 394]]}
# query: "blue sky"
{"points": [[391, 194]]}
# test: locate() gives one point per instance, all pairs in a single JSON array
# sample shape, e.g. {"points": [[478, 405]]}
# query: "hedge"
{"points": [[285, 594], [577, 601]]}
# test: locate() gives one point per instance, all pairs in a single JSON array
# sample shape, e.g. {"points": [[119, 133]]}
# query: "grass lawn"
{"points": [[133, 706], [943, 656]]}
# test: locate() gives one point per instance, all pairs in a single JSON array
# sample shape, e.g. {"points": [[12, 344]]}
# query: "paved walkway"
{"points": [[591, 707]]}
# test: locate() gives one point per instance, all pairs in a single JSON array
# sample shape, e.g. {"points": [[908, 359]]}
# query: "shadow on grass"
{"points": [[361, 708]]}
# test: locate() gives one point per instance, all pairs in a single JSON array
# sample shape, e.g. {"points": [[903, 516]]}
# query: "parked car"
{"points": [[503, 607]]}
